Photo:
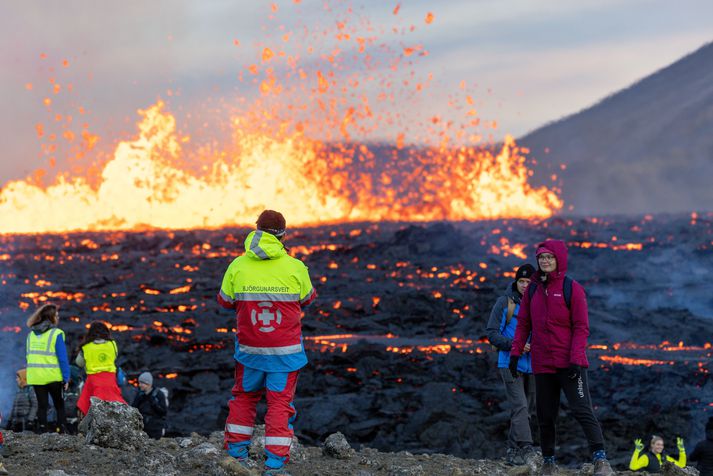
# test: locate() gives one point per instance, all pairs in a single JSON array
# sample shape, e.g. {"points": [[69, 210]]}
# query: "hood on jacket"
{"points": [[559, 249], [511, 292], [263, 245], [42, 327]]}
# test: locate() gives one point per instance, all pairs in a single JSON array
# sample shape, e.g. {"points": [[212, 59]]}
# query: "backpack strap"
{"points": [[567, 291], [511, 311]]}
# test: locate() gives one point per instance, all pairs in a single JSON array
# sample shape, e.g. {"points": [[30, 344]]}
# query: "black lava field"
{"points": [[398, 359]]}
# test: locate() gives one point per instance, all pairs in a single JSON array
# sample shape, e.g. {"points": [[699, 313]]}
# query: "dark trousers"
{"points": [[54, 390], [521, 399], [548, 389]]}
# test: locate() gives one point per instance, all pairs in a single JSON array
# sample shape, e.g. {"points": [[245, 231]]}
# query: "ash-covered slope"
{"points": [[647, 148]]}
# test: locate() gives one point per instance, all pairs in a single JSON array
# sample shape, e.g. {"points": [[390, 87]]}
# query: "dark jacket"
{"points": [[500, 332], [559, 334], [703, 453], [153, 408], [24, 409]]}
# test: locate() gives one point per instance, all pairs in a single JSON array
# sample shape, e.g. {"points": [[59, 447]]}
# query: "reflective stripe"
{"points": [[225, 297], [40, 352], [307, 297], [286, 350], [239, 429], [255, 246], [53, 331], [267, 297], [43, 366], [278, 441]]}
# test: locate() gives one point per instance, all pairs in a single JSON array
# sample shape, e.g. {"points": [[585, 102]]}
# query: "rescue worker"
{"points": [[520, 392], [47, 364], [553, 315], [98, 356], [268, 289], [652, 460]]}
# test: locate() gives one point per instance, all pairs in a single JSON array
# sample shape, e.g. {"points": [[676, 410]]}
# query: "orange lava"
{"points": [[304, 145]]}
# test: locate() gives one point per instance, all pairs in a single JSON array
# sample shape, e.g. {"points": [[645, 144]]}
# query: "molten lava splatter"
{"points": [[305, 145]]}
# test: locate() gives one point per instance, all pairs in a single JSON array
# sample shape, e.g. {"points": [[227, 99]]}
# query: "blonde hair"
{"points": [[22, 373], [46, 312]]}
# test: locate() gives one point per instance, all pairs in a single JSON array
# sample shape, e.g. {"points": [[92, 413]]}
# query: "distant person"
{"points": [[98, 357], [520, 392], [23, 415], [553, 314], [2, 444], [703, 452], [152, 405], [47, 364], [268, 289], [652, 460]]}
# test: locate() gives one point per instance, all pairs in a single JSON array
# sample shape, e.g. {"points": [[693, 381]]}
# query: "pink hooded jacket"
{"points": [[559, 334]]}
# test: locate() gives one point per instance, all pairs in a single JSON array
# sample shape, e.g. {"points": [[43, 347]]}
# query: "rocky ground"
{"points": [[65, 455]]}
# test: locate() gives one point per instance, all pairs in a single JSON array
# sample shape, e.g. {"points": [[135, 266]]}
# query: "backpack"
{"points": [[508, 317], [164, 390], [566, 291]]}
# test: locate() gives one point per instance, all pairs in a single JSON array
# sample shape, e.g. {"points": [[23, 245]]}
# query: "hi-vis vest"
{"points": [[267, 288], [42, 362], [100, 357]]}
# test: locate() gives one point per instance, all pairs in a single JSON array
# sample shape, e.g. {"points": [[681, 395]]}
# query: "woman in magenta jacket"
{"points": [[558, 348]]}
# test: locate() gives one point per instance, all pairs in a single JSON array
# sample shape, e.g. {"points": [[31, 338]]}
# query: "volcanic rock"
{"points": [[113, 425], [337, 446]]}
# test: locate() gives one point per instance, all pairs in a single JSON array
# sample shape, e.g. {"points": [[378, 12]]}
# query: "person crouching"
{"points": [[98, 356]]}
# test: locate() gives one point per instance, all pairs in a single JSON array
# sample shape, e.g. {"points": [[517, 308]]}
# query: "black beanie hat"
{"points": [[272, 222], [525, 271]]}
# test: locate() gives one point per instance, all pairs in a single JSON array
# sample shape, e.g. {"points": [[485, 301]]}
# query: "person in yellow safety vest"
{"points": [[98, 356], [268, 289], [47, 364], [652, 460]]}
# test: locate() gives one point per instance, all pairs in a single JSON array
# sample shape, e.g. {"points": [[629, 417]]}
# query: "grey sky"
{"points": [[533, 61]]}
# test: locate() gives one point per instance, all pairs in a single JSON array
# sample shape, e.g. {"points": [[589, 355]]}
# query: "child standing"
{"points": [[98, 355]]}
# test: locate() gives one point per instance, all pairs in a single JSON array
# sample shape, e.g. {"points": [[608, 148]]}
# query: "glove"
{"points": [[638, 445], [574, 372], [513, 367], [679, 443]]}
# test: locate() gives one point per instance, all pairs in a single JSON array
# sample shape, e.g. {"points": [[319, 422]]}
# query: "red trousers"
{"points": [[103, 386], [279, 388]]}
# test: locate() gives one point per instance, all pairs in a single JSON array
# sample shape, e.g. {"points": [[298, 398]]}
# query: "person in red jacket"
{"points": [[558, 347]]}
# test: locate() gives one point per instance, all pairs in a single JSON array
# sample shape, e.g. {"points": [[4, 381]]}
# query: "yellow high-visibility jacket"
{"points": [[652, 462]]}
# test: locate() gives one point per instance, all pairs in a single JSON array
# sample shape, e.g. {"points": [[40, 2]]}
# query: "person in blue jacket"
{"points": [[520, 392]]}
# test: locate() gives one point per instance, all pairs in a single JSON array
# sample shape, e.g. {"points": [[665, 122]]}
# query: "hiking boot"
{"points": [[549, 469], [603, 468], [513, 457], [528, 455], [2, 469]]}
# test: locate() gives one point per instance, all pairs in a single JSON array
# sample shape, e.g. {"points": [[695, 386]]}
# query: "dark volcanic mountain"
{"points": [[647, 148]]}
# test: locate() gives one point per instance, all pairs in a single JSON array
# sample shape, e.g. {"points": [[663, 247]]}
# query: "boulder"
{"points": [[113, 425], [337, 446]]}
